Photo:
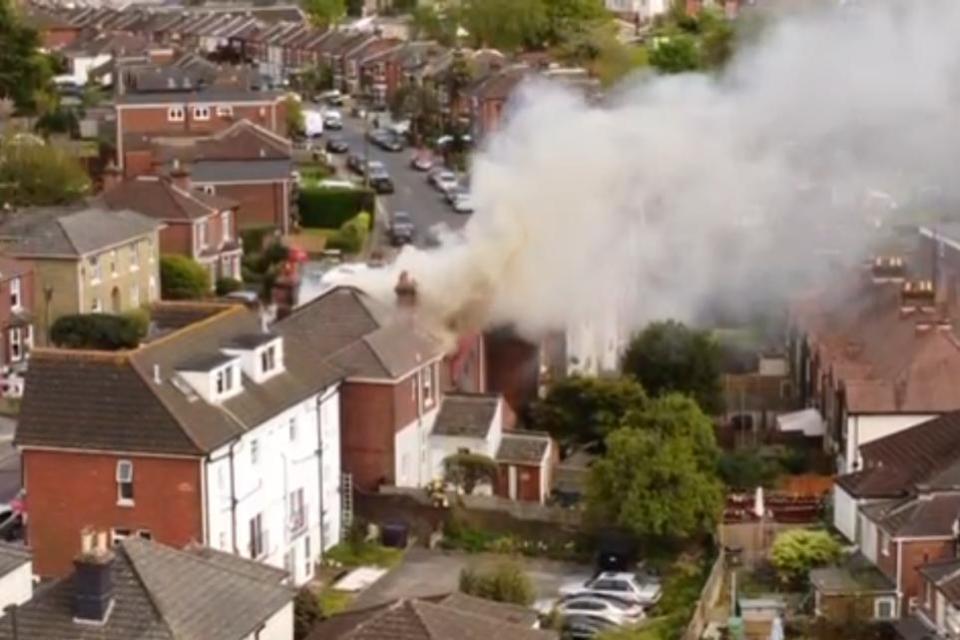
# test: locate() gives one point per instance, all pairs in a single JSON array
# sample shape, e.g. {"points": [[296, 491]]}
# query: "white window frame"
{"points": [[95, 273], [429, 387], [152, 287], [885, 543], [96, 306], [885, 600], [292, 429], [254, 452], [119, 533], [224, 110], [258, 537], [135, 256], [209, 189], [201, 113], [16, 336], [225, 220], [113, 263], [16, 294], [224, 380], [135, 294], [268, 359], [176, 114], [125, 478]]}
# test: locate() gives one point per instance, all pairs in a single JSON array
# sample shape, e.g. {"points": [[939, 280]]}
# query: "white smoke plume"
{"points": [[681, 191]]}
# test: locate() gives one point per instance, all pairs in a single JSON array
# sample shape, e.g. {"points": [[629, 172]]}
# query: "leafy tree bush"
{"points": [[306, 612], [37, 174], [796, 552], [24, 71], [182, 278], [505, 583], [352, 235], [657, 477], [747, 470], [671, 357], [330, 207], [324, 13], [294, 111], [585, 409], [676, 53], [468, 470], [140, 318], [95, 331], [228, 285]]}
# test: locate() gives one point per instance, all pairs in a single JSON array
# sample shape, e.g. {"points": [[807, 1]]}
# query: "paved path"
{"points": [[429, 573]]}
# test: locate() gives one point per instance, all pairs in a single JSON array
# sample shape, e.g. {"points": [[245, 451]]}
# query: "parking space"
{"points": [[428, 573]]}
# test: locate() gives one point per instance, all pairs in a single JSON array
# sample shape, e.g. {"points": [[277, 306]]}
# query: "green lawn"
{"points": [[365, 554], [333, 601]]}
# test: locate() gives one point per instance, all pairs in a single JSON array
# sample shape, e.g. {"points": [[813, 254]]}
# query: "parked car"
{"points": [[355, 163], [463, 203], [443, 180], [391, 142], [644, 590], [333, 120], [378, 177], [584, 627], [337, 145], [421, 161], [333, 98], [402, 229], [616, 610]]}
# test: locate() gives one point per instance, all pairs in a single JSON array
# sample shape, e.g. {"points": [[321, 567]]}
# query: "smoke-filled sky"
{"points": [[681, 191]]}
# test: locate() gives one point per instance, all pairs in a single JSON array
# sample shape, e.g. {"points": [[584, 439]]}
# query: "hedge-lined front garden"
{"points": [[331, 207]]}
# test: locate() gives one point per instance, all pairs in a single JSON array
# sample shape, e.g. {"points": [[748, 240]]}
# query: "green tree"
{"points": [[469, 470], [324, 13], [567, 17], [25, 72], [421, 106], [717, 39], [508, 25], [657, 477], [34, 173], [95, 331], [797, 551], [669, 356], [225, 286], [585, 409], [676, 53], [436, 21], [505, 583], [182, 278], [294, 111], [306, 613]]}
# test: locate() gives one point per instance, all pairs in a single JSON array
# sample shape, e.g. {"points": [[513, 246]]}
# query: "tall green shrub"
{"points": [[95, 331], [331, 207], [182, 278], [505, 583]]}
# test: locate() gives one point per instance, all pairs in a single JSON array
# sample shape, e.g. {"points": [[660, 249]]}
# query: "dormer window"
{"points": [[224, 380], [201, 113], [268, 359]]}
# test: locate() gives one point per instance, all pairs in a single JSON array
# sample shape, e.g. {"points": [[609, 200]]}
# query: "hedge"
{"points": [[331, 207], [182, 278], [352, 234], [227, 285], [96, 331], [254, 238]]}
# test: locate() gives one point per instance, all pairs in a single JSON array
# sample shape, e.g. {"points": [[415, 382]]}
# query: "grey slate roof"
{"points": [[855, 574], [524, 447], [424, 620], [12, 557], [109, 400], [204, 362], [926, 515], [160, 593], [71, 233], [251, 340], [202, 171], [466, 415], [513, 613]]}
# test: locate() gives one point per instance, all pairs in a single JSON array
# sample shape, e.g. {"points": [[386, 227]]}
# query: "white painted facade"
{"points": [[411, 443], [845, 513], [277, 627], [441, 447], [868, 538], [16, 587], [861, 429], [80, 67], [266, 497]]}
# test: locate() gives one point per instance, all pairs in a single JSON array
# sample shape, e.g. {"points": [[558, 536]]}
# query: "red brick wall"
{"points": [[155, 120], [916, 553], [177, 238], [528, 482], [404, 402], [137, 163], [67, 492], [367, 415], [261, 205], [58, 38]]}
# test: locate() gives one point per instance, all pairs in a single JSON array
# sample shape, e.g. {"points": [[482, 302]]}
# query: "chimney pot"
{"points": [[406, 290]]}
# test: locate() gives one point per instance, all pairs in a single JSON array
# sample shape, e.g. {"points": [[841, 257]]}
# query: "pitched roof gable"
{"points": [[160, 199], [71, 233]]}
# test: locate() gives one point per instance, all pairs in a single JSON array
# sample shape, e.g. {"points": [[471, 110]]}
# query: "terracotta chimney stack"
{"points": [[406, 290], [112, 177], [180, 176]]}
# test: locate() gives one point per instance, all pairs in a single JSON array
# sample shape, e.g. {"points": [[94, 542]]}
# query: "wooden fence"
{"points": [[712, 589]]}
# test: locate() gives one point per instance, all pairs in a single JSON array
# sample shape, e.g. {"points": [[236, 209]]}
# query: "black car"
{"points": [[401, 229], [379, 178], [355, 163], [391, 142], [335, 145]]}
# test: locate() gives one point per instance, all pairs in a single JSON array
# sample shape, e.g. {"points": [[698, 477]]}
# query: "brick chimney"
{"points": [[93, 579], [112, 177], [406, 291], [180, 176]]}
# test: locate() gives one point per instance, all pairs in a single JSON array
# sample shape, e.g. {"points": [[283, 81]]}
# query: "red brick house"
{"points": [[196, 112], [907, 507], [199, 225], [245, 162]]}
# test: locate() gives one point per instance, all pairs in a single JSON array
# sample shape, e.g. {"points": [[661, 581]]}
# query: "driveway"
{"points": [[429, 573]]}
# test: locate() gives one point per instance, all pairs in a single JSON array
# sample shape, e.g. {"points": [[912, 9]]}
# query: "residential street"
{"points": [[413, 194], [9, 461]]}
